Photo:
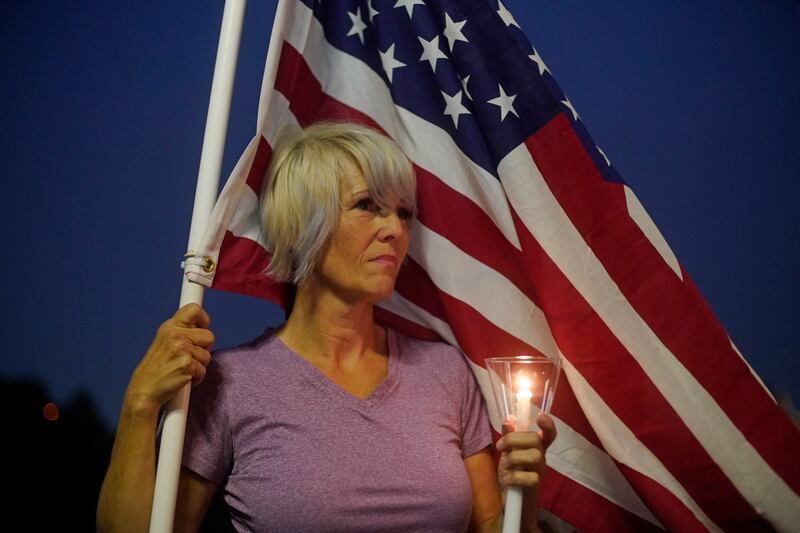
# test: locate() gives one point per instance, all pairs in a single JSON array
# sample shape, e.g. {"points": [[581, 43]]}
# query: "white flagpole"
{"points": [[169, 459]]}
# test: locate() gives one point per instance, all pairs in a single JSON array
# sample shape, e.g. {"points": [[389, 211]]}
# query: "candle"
{"points": [[524, 394], [513, 512]]}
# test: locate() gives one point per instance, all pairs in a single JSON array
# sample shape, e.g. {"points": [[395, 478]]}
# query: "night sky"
{"points": [[103, 108]]}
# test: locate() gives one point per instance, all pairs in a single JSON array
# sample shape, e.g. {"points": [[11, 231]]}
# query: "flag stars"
{"points": [[568, 105], [536, 58], [371, 11], [409, 5], [431, 51], [464, 81], [358, 24], [506, 15], [505, 102], [454, 107], [389, 62], [452, 31]]}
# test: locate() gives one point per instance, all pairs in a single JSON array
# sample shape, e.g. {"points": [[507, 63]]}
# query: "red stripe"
{"points": [[585, 509], [673, 514], [610, 370], [674, 309], [258, 167], [294, 76], [244, 263], [567, 408], [405, 326], [468, 227]]}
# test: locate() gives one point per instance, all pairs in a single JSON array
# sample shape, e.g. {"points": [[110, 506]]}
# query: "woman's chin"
{"points": [[381, 291]]}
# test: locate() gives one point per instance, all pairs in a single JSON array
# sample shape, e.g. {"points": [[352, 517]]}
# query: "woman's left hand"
{"points": [[522, 458]]}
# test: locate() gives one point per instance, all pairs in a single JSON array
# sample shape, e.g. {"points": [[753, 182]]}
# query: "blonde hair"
{"points": [[300, 200]]}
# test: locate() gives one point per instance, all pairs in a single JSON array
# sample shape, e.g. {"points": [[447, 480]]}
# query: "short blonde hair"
{"points": [[300, 200]]}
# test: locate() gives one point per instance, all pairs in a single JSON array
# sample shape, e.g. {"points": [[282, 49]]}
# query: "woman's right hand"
{"points": [[178, 354]]}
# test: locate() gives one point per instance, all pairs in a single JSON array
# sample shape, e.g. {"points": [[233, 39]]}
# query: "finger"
{"points": [[522, 478], [200, 355], [548, 427], [508, 425], [192, 315], [529, 459], [519, 439], [198, 373], [198, 336]]}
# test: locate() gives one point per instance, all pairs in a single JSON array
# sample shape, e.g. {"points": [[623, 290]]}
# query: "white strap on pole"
{"points": [[169, 459]]}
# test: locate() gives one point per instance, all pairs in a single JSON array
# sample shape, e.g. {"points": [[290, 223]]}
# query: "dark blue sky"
{"points": [[103, 108]]}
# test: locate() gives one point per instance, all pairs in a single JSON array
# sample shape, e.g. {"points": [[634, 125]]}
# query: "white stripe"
{"points": [[246, 219], [642, 219], [570, 454], [283, 18], [578, 459], [353, 83], [413, 313], [225, 208], [621, 444], [548, 223], [462, 276]]}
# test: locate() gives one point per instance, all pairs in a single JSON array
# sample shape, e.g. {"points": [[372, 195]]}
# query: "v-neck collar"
{"points": [[334, 390]]}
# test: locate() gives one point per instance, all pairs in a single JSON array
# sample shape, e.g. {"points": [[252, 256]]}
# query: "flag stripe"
{"points": [[569, 500], [625, 387], [591, 467], [552, 231], [670, 509], [625, 448], [656, 294]]}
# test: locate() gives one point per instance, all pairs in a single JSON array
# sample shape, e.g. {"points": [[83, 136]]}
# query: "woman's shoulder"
{"points": [[247, 356], [241, 369]]}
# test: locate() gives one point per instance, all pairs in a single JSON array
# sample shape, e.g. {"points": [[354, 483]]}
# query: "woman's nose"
{"points": [[392, 226]]}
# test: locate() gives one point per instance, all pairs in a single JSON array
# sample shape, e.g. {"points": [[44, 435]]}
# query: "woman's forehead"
{"points": [[352, 179]]}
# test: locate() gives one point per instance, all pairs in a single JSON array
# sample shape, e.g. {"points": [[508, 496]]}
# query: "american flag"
{"points": [[528, 241]]}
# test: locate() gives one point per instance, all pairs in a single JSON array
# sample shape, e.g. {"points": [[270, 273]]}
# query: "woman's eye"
{"points": [[405, 213], [365, 204]]}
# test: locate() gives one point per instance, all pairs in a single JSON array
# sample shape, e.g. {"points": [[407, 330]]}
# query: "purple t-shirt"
{"points": [[292, 451]]}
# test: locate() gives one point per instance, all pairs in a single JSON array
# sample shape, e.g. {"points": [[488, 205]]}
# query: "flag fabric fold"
{"points": [[527, 240]]}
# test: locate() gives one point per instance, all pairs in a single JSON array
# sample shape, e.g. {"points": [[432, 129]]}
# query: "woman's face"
{"points": [[363, 256]]}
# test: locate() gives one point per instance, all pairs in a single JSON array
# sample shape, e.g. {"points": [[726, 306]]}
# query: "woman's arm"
{"points": [[487, 506], [522, 463], [177, 355], [194, 496]]}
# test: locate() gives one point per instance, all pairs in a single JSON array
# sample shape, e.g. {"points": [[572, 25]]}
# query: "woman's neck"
{"points": [[323, 324]]}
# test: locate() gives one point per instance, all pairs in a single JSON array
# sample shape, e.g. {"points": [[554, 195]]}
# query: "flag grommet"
{"points": [[206, 263]]}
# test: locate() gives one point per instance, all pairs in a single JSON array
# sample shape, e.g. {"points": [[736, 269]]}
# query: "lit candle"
{"points": [[524, 395], [513, 513]]}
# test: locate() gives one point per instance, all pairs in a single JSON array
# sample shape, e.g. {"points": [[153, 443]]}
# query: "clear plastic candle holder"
{"points": [[523, 386]]}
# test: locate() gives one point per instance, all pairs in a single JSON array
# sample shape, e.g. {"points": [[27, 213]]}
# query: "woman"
{"points": [[331, 422]]}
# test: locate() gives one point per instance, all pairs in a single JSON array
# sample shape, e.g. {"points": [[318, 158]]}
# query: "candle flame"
{"points": [[523, 382]]}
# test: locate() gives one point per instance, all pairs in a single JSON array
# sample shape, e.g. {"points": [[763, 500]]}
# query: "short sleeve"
{"points": [[475, 431], [207, 448]]}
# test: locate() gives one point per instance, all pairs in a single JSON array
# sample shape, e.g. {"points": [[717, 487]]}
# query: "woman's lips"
{"points": [[385, 259]]}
